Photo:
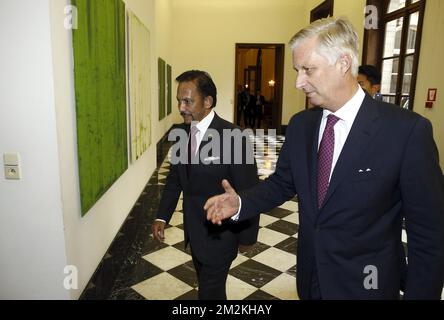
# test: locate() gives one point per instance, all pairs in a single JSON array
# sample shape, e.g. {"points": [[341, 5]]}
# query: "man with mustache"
{"points": [[213, 248]]}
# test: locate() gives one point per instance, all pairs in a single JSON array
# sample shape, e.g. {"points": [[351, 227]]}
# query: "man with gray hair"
{"points": [[358, 166]]}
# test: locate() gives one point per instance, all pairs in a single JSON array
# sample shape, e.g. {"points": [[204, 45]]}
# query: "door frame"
{"points": [[279, 79]]}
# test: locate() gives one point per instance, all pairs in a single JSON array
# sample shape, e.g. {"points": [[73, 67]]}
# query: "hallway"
{"points": [[69, 233], [138, 267]]}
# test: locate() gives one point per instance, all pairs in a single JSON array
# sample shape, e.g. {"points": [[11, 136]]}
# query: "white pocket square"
{"points": [[366, 170], [211, 158]]}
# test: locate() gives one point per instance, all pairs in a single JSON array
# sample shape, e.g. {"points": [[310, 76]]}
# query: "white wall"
{"points": [[32, 252], [41, 228], [88, 237], [164, 43]]}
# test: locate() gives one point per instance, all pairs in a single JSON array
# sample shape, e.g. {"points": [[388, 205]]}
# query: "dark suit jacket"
{"points": [[258, 109], [211, 244], [388, 167]]}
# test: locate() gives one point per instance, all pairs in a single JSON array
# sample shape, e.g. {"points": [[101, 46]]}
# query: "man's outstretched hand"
{"points": [[157, 229], [222, 206]]}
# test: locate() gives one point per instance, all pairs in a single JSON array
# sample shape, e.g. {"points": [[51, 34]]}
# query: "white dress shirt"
{"points": [[346, 114]]}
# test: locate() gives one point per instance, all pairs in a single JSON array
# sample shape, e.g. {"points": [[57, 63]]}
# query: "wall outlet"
{"points": [[12, 172], [12, 166]]}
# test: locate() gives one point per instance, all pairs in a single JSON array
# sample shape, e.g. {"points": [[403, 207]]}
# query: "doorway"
{"points": [[260, 67]]}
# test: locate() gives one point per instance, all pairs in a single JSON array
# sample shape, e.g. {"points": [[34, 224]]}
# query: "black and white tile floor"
{"points": [[266, 271], [139, 267]]}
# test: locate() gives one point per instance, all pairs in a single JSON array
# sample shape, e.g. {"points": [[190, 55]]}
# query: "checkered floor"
{"points": [[164, 271], [266, 271]]}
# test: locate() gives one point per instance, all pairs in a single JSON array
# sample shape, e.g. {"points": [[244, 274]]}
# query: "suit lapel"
{"points": [[363, 129]]}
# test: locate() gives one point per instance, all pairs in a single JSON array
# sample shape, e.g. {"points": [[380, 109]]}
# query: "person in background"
{"points": [[212, 248], [369, 78], [251, 110], [246, 106], [259, 102], [239, 104], [358, 166]]}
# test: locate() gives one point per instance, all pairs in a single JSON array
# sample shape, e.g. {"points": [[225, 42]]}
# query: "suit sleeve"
{"points": [[275, 190], [170, 195], [422, 189], [245, 176]]}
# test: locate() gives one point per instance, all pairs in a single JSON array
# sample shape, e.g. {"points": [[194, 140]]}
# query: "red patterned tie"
{"points": [[325, 157]]}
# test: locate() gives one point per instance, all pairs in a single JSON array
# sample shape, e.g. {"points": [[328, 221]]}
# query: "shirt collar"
{"points": [[350, 109], [203, 124]]}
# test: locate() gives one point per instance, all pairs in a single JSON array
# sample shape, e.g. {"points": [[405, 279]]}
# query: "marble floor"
{"points": [[137, 267]]}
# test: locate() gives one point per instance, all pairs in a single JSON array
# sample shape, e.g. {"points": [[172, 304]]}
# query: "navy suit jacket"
{"points": [[211, 244], [387, 168]]}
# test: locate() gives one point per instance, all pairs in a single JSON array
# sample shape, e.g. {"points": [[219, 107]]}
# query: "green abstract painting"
{"points": [[100, 93], [169, 90], [139, 75], [161, 74]]}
